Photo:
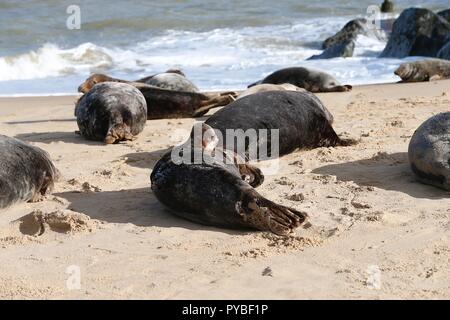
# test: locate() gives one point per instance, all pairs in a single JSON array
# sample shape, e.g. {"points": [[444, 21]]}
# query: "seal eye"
{"points": [[94, 81]]}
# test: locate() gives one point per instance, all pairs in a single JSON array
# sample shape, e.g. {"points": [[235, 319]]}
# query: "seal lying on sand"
{"points": [[424, 70], [302, 120], [173, 79], [429, 151], [165, 103], [111, 112], [215, 192], [26, 174], [309, 79], [269, 87]]}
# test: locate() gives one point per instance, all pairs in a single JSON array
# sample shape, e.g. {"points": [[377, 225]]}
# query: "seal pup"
{"points": [[429, 151], [173, 79], [217, 192], [112, 112], [269, 87], [27, 173], [301, 119], [309, 79], [424, 70]]}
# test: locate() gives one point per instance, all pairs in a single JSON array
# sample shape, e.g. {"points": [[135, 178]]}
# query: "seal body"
{"points": [[424, 70], [309, 79], [301, 119], [112, 112], [218, 193], [26, 174], [429, 151], [163, 80], [163, 99], [172, 81], [269, 87]]}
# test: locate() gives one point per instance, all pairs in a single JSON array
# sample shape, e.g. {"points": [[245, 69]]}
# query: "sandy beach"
{"points": [[375, 232]]}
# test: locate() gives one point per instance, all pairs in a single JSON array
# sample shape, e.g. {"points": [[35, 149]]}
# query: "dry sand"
{"points": [[376, 233]]}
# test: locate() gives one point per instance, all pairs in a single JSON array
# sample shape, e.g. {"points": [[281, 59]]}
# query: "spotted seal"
{"points": [[309, 79], [173, 79], [112, 112], [217, 192], [301, 119], [269, 87], [424, 70], [429, 151], [27, 172]]}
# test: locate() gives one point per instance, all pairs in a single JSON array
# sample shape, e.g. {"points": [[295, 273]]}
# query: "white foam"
{"points": [[218, 59]]}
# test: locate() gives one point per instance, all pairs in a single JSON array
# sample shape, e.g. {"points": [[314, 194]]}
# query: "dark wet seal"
{"points": [[111, 112], [309, 79], [301, 119], [219, 193], [424, 70], [429, 151], [166, 104], [27, 173]]}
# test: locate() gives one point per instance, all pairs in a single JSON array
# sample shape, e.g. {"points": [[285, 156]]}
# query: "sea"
{"points": [[48, 47]]}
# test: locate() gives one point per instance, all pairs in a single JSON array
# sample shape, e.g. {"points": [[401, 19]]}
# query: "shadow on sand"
{"points": [[42, 121], [136, 206], [49, 137], [144, 160], [384, 171]]}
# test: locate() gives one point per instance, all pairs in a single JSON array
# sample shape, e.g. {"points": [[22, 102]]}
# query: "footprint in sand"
{"points": [[37, 223], [40, 227]]}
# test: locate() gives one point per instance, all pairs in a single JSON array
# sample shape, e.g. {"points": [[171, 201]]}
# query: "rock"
{"points": [[348, 33], [416, 32], [445, 14], [444, 52], [343, 50], [387, 6]]}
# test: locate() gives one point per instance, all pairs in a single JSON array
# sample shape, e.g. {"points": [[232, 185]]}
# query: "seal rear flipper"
{"points": [[118, 132], [343, 88], [220, 100], [265, 215]]}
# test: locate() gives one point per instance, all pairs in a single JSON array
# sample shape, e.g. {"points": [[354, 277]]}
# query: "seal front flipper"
{"points": [[251, 174], [265, 215]]}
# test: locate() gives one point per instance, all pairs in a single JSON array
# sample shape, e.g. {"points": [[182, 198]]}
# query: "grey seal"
{"points": [[309, 79], [27, 172], [429, 151], [301, 119], [219, 193], [424, 70], [269, 87], [112, 112]]}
